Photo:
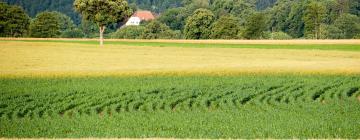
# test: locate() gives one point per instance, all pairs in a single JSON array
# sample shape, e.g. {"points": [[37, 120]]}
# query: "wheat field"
{"points": [[39, 58]]}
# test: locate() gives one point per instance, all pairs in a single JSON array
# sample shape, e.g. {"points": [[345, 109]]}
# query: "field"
{"points": [[168, 89]]}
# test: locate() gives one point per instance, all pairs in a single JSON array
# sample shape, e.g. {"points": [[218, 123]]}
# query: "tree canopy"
{"points": [[103, 12], [14, 22], [198, 25]]}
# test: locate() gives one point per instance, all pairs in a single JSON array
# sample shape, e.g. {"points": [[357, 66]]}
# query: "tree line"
{"points": [[202, 19]]}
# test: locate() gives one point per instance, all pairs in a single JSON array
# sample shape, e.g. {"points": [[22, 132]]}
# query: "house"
{"points": [[139, 16]]}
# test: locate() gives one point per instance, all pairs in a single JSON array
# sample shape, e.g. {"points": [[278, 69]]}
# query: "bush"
{"points": [[128, 32], [75, 33], [280, 36], [157, 30], [357, 36]]}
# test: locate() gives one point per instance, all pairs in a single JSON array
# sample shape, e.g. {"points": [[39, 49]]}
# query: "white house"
{"points": [[133, 21], [139, 16]]}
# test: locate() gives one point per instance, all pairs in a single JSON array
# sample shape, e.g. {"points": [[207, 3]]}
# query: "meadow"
{"points": [[75, 89]]}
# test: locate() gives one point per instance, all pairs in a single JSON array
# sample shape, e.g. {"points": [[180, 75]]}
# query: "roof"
{"points": [[144, 15]]}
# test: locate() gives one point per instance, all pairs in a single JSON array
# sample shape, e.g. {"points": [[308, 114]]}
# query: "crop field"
{"points": [[138, 89]]}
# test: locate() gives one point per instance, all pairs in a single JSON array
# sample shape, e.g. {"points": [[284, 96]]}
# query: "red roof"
{"points": [[144, 15]]}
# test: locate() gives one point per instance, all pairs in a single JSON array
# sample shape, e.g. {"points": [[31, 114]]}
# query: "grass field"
{"points": [[167, 89]]}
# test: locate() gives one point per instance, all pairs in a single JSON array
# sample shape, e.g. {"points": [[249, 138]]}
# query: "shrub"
{"points": [[280, 36], [129, 32]]}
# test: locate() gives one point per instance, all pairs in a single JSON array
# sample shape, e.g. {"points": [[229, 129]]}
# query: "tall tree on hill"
{"points": [[103, 12], [313, 18]]}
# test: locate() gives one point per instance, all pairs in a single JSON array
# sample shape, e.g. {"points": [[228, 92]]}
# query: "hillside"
{"points": [[65, 6]]}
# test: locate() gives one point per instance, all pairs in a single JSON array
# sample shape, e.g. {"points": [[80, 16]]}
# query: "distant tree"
{"points": [[239, 8], [294, 23], [129, 32], [103, 12], [174, 18], [45, 25], [255, 26], [280, 36], [348, 25], [226, 27], [313, 18], [65, 21], [198, 25], [157, 30], [14, 22], [89, 28]]}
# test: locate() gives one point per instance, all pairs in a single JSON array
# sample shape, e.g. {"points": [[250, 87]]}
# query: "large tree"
{"points": [[226, 27], [14, 22], [103, 12], [313, 18], [255, 26], [198, 25], [46, 24]]}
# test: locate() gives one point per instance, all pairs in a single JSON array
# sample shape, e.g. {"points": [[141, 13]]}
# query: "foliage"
{"points": [[45, 25], [157, 30], [226, 27], [72, 33], [200, 107], [313, 18], [14, 22], [129, 32], [102, 12], [240, 8], [65, 21], [174, 18], [280, 36], [198, 25], [348, 25], [255, 26], [34, 7]]}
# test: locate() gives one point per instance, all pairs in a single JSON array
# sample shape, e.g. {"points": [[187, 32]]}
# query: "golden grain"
{"points": [[45, 59]]}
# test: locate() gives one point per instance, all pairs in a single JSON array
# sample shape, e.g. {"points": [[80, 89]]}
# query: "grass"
{"points": [[341, 47], [244, 106]]}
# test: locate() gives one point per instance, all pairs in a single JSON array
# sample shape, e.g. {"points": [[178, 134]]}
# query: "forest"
{"points": [[192, 19]]}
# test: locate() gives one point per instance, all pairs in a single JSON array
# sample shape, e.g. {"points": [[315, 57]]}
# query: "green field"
{"points": [[247, 106], [344, 47], [53, 89]]}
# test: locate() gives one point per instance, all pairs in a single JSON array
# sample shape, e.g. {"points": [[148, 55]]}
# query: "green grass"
{"points": [[342, 47], [243, 106]]}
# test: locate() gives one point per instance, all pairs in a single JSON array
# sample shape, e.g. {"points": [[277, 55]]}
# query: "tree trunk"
{"points": [[102, 29]]}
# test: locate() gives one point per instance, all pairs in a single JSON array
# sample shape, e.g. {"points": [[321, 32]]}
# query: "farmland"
{"points": [[135, 89]]}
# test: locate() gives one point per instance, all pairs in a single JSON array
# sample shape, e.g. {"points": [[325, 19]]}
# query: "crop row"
{"points": [[226, 96]]}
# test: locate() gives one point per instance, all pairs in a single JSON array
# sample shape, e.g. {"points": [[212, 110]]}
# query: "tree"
{"points": [[198, 25], [45, 25], [348, 25], [255, 26], [313, 18], [73, 33], [103, 12], [129, 32], [174, 18], [239, 8], [65, 21], [14, 22], [226, 27], [157, 30]]}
